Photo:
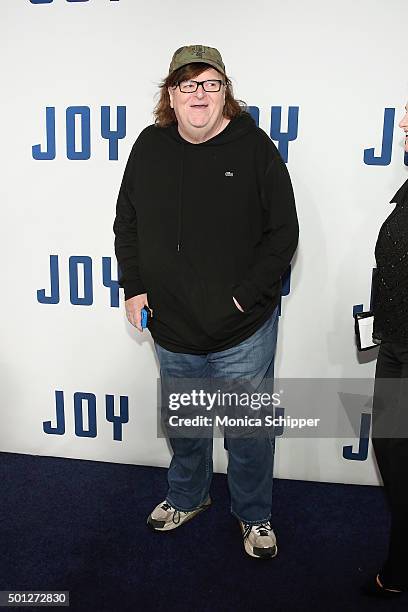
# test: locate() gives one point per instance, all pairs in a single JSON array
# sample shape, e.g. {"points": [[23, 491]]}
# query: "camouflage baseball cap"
{"points": [[197, 53]]}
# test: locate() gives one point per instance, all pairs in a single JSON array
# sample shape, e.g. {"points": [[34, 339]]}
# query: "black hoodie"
{"points": [[199, 223]]}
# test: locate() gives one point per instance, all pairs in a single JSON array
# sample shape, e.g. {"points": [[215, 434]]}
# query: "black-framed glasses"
{"points": [[211, 85]]}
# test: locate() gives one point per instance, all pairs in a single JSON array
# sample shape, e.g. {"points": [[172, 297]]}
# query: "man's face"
{"points": [[404, 125], [201, 110]]}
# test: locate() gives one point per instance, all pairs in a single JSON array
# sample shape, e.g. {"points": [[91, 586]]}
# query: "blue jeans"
{"points": [[250, 460]]}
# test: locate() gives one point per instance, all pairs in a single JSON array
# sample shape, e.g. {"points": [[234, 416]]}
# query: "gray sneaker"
{"points": [[259, 540], [164, 517]]}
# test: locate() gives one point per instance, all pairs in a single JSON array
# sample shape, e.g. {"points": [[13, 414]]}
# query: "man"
{"points": [[205, 228]]}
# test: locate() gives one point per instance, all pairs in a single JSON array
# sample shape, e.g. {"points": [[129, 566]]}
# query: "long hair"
{"points": [[163, 113]]}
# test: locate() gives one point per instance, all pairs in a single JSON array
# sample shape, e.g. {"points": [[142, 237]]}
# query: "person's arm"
{"points": [[126, 241], [279, 240], [127, 250]]}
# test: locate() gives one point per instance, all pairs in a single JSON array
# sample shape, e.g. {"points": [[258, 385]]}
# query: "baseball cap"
{"points": [[197, 53]]}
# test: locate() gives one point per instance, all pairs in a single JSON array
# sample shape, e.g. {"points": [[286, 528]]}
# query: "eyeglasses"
{"points": [[212, 85]]}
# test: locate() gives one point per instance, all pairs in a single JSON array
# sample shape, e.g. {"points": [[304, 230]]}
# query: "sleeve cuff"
{"points": [[133, 288]]}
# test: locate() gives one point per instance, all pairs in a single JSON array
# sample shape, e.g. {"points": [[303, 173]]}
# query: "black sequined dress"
{"points": [[390, 297]]}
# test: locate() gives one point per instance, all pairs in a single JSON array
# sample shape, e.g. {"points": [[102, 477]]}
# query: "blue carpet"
{"points": [[81, 526]]}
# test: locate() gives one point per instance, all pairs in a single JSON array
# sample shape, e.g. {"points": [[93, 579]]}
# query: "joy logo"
{"points": [[384, 158], [81, 281], [85, 415], [81, 278], [361, 453], [78, 131], [78, 123], [282, 138]]}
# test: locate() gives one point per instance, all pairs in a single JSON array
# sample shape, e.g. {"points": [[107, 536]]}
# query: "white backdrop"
{"points": [[341, 63]]}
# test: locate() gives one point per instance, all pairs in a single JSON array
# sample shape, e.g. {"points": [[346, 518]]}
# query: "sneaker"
{"points": [[259, 540], [164, 517]]}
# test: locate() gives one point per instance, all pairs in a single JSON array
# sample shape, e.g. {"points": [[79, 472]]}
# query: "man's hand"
{"points": [[238, 305], [133, 307]]}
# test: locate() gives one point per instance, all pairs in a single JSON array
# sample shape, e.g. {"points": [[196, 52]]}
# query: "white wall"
{"points": [[341, 63]]}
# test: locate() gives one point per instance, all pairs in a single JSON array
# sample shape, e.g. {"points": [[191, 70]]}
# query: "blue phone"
{"points": [[145, 317]]}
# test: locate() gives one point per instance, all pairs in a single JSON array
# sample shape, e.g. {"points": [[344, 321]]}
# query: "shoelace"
{"points": [[176, 514], [262, 529]]}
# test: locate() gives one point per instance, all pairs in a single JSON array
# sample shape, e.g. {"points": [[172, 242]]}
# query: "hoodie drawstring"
{"points": [[180, 201]]}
